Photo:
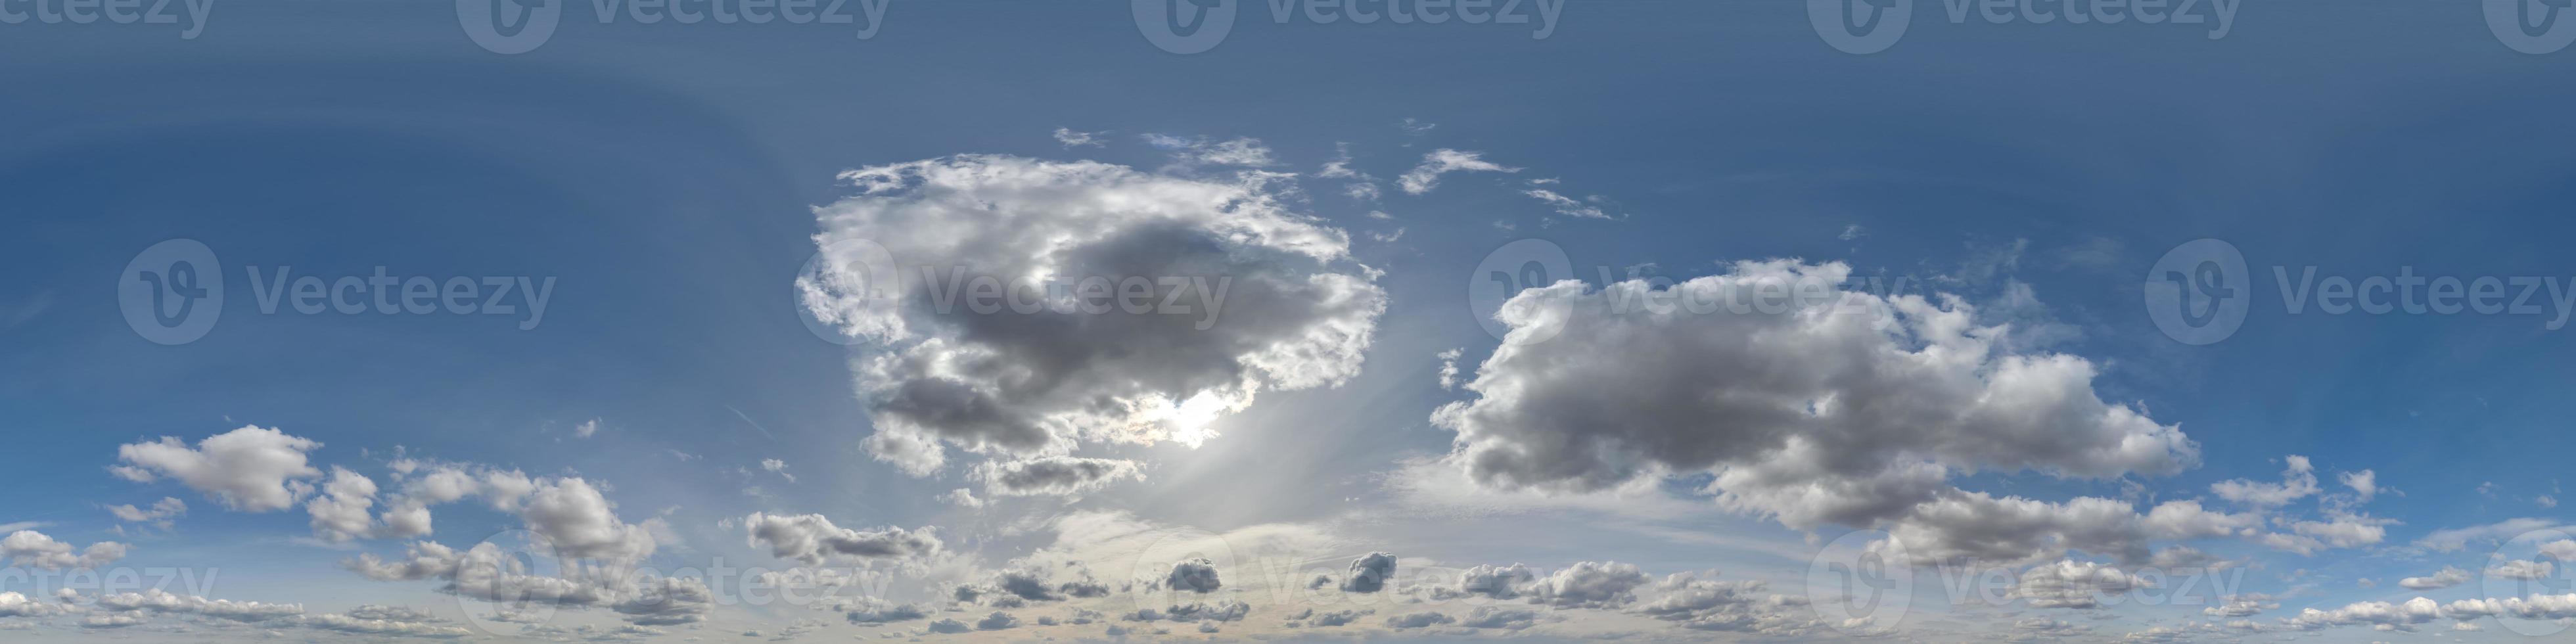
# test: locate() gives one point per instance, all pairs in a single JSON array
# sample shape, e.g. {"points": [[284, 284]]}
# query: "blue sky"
{"points": [[671, 181]]}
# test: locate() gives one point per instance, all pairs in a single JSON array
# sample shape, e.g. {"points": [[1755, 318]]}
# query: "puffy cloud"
{"points": [[32, 548], [2299, 481], [162, 513], [252, 469], [1246, 295], [1337, 618], [2364, 484], [574, 520], [17, 605], [489, 573], [1196, 575], [340, 512], [997, 621], [962, 497], [1055, 475], [2532, 607], [1498, 617], [811, 539], [665, 601], [354, 622], [1071, 138], [161, 601], [2413, 611], [2074, 584], [2245, 605], [1424, 619], [949, 626], [1422, 178], [1369, 573], [871, 610], [1588, 585], [2521, 569], [2444, 578], [1813, 405]]}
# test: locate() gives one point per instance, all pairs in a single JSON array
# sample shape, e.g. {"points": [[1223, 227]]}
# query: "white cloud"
{"points": [[1272, 302], [1422, 178], [162, 514], [1820, 406], [586, 428], [1072, 139], [1054, 475], [252, 469], [160, 601], [778, 467], [1588, 208], [32, 548], [812, 540], [2444, 578], [2299, 481]]}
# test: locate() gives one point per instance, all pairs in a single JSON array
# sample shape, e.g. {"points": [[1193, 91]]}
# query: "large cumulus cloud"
{"points": [[1290, 310], [1815, 405]]}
